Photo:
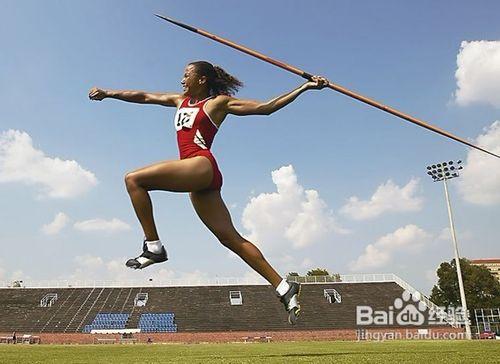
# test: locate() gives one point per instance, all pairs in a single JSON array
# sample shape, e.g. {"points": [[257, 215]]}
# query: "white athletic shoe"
{"points": [[291, 301], [147, 258]]}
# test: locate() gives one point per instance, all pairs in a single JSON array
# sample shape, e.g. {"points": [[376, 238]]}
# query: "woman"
{"points": [[201, 108]]}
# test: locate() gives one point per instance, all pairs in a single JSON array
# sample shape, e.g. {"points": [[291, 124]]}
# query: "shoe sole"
{"points": [[143, 265], [294, 313]]}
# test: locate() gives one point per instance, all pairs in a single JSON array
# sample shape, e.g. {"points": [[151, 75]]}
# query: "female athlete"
{"points": [[203, 105]]}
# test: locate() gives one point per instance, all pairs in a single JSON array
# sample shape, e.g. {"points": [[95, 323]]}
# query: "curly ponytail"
{"points": [[219, 81]]}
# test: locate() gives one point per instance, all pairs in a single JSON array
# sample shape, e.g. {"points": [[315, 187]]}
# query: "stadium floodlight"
{"points": [[443, 172]]}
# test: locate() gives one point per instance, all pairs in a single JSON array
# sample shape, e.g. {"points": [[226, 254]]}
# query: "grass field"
{"points": [[298, 352]]}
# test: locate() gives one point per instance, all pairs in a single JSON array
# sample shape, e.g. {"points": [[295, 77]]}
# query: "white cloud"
{"points": [[431, 276], [90, 267], [89, 262], [478, 73], [291, 214], [408, 238], [21, 162], [388, 197], [445, 235], [313, 222], [307, 263], [286, 262], [252, 277], [479, 181], [110, 226], [17, 275], [59, 222]]}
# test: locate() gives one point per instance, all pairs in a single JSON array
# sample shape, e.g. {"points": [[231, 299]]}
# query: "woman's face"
{"points": [[191, 82]]}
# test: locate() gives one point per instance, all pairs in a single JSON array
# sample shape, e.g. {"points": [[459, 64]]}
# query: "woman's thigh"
{"points": [[185, 175], [213, 212]]}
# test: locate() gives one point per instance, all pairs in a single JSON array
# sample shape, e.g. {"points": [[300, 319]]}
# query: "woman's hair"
{"points": [[219, 81]]}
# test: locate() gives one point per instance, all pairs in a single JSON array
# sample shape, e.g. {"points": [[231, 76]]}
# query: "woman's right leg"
{"points": [[213, 212]]}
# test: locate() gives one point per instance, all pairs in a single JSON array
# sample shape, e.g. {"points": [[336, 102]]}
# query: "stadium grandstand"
{"points": [[217, 310]]}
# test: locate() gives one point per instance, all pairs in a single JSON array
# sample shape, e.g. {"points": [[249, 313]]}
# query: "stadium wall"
{"points": [[196, 309], [205, 313], [441, 333]]}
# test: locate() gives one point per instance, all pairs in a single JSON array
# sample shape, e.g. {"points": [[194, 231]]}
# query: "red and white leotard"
{"points": [[195, 134]]}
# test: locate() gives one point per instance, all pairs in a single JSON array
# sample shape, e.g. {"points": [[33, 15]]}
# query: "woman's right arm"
{"points": [[140, 97]]}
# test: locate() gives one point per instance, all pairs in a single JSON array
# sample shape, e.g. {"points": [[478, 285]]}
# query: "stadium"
{"points": [[236, 312], [239, 313], [79, 314]]}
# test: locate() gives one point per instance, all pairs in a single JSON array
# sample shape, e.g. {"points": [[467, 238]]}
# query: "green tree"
{"points": [[482, 289], [292, 274], [317, 272]]}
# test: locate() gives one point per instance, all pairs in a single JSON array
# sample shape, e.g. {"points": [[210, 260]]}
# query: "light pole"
{"points": [[442, 172]]}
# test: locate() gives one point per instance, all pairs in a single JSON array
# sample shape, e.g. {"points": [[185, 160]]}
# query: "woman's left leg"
{"points": [[179, 176], [213, 212]]}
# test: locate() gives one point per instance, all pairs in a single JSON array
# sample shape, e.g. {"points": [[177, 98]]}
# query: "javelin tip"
{"points": [[182, 25], [162, 17]]}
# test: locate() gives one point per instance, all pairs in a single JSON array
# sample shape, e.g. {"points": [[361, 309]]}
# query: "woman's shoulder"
{"points": [[221, 100]]}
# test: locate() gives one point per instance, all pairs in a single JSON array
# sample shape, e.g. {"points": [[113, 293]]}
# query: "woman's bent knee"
{"points": [[231, 241], [131, 181]]}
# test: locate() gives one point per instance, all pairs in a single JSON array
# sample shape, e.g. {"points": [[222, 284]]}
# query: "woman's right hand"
{"points": [[97, 94], [317, 83]]}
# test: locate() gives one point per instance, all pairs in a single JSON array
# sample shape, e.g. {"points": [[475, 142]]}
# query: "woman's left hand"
{"points": [[317, 83]]}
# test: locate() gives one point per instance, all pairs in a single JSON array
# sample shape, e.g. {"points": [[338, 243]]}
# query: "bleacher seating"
{"points": [[108, 321], [78, 309], [75, 307], [157, 322]]}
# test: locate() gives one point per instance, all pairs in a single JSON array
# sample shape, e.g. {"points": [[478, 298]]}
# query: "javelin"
{"points": [[331, 85]]}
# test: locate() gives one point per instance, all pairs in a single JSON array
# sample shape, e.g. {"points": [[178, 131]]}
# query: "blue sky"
{"points": [[402, 54]]}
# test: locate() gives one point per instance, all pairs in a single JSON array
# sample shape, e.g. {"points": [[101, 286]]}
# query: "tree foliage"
{"points": [[482, 289], [317, 272]]}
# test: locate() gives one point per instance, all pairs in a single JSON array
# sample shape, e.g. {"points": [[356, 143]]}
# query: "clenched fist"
{"points": [[317, 83], [97, 94]]}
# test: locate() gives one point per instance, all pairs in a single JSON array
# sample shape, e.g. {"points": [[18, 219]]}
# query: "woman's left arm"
{"points": [[250, 107]]}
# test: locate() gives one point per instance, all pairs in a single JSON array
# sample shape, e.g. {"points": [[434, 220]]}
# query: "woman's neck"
{"points": [[199, 96]]}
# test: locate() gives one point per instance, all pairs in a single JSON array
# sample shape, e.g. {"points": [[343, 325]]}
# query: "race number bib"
{"points": [[184, 118]]}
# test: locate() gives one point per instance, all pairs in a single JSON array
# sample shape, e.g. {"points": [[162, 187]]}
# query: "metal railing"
{"points": [[48, 300], [344, 278], [452, 319], [132, 283], [338, 278]]}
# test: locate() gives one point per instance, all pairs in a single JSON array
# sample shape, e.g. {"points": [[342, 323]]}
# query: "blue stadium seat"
{"points": [[157, 322], [108, 320]]}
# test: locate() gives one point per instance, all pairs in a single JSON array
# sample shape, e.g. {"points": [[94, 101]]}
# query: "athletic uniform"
{"points": [[195, 134]]}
